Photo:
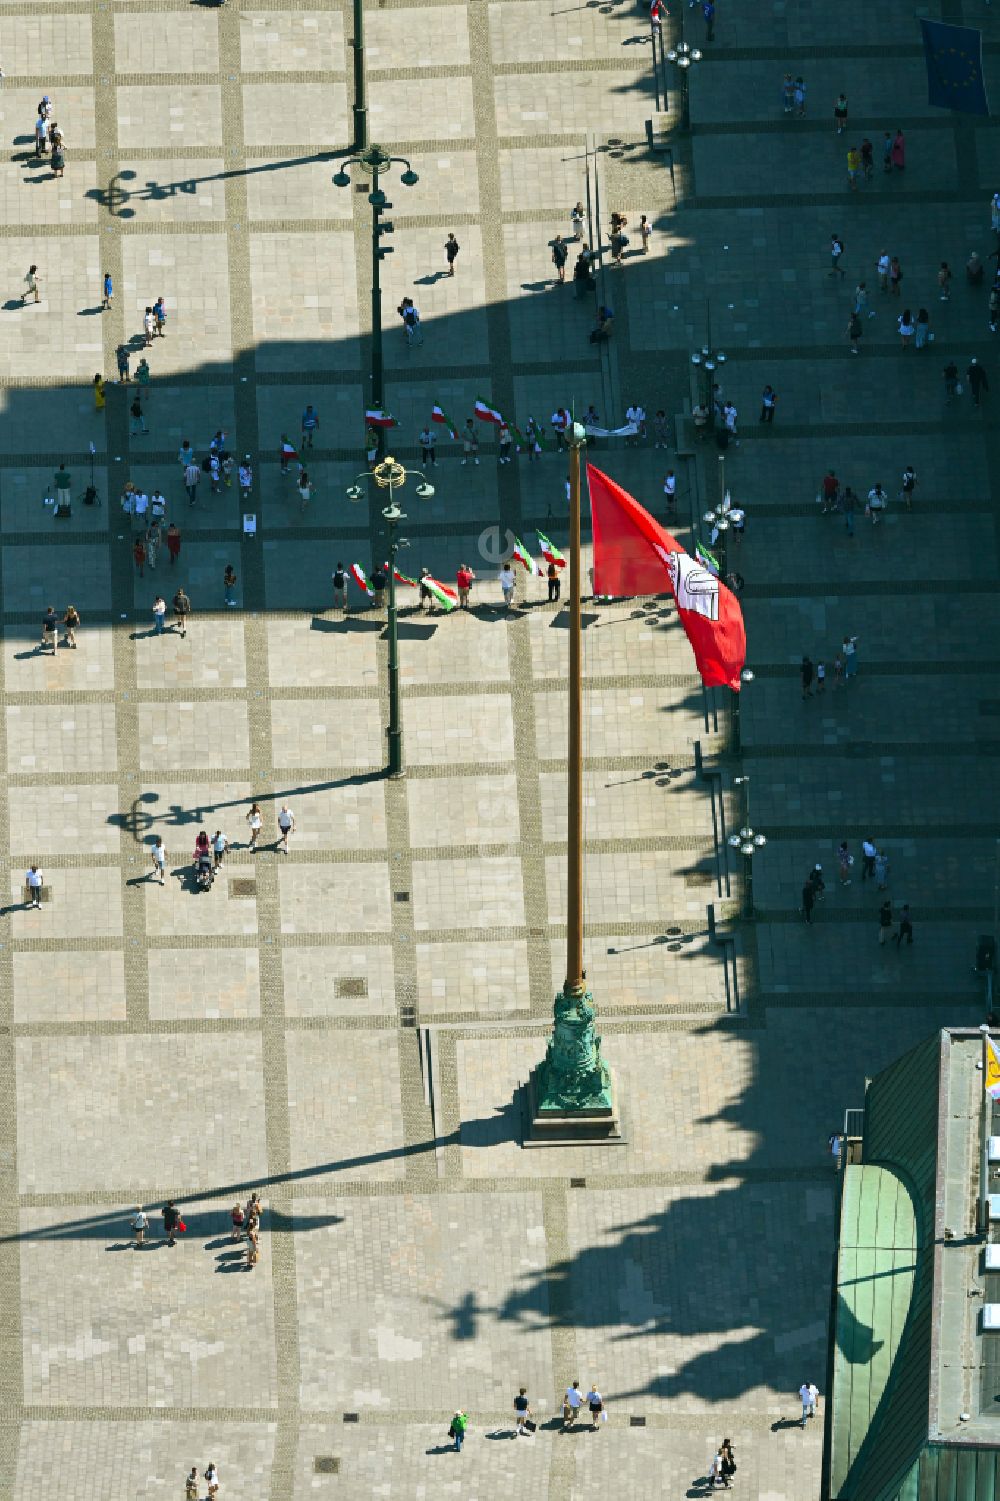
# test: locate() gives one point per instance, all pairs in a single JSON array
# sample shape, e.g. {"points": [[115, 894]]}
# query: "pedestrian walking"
{"points": [[853, 167], [898, 151], [310, 425], [867, 159], [254, 821], [522, 1415], [410, 315], [995, 214], [137, 425], [905, 929], [994, 308], [139, 1225], [809, 1396], [881, 870], [160, 317], [884, 922], [58, 155], [560, 255], [554, 583], [768, 402], [849, 650], [245, 478], [848, 503], [41, 136], [172, 1222], [470, 443], [32, 281], [895, 275], [907, 487], [504, 444], [887, 151], [107, 292], [339, 588], [978, 382], [456, 1432], [428, 443], [820, 677], [670, 492], [578, 222], [71, 621], [220, 845], [876, 503], [951, 382], [212, 1481], [854, 331], [788, 93], [507, 581], [306, 488], [139, 553], [728, 1463], [923, 329], [173, 542], [50, 630], [635, 415], [844, 862], [229, 586], [182, 612], [708, 12], [192, 479], [836, 251], [378, 580], [806, 674], [464, 580], [868, 853], [572, 1402], [882, 267], [799, 97], [838, 670], [451, 249], [595, 1403], [98, 388], [191, 1486], [33, 887], [944, 281], [122, 357], [715, 1471], [660, 427], [286, 826], [808, 900], [158, 858], [157, 506], [905, 325], [159, 612], [840, 114], [148, 327], [143, 377]]}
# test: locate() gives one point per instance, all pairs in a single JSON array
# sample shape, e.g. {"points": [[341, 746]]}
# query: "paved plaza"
{"points": [[348, 1028]]}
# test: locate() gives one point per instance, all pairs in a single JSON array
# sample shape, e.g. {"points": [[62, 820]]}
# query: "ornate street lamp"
{"points": [[684, 57]]}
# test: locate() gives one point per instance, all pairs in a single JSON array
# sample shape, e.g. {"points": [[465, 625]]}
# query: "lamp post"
{"points": [[707, 360], [683, 56], [374, 162], [360, 82], [748, 842], [391, 475]]}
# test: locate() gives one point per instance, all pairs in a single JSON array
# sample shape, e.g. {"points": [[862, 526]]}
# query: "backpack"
{"points": [[339, 579]]}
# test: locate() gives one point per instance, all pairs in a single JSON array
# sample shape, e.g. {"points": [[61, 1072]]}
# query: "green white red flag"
{"points": [[360, 578], [379, 417], [446, 598], [549, 553], [487, 413], [440, 415], [523, 556], [404, 578]]}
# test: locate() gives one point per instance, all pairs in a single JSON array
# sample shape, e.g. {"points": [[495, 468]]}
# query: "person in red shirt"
{"points": [[139, 553], [173, 542], [464, 578], [831, 485]]}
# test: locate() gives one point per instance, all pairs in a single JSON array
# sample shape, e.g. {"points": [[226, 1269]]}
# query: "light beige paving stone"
{"points": [[323, 980], [154, 43], [175, 735], [621, 887], [310, 114], [618, 722], [28, 670], [345, 817], [191, 273], [623, 804], [34, 195], [191, 116], [480, 893], [463, 810], [180, 909], [339, 657], [484, 979], [550, 177], [298, 189], [68, 272], [463, 649], [629, 637], [400, 1299], [149, 1328], [211, 656], [649, 972], [333, 733], [452, 308], [178, 809], [99, 1131], [448, 180], [47, 739], [127, 1453], [405, 110], [355, 1129], [73, 105], [171, 191], [461, 728], [293, 41], [68, 985], [85, 902], [41, 43], [434, 38], [540, 104], [387, 1456], [351, 898], [536, 33], [203, 984], [47, 821], [318, 303]]}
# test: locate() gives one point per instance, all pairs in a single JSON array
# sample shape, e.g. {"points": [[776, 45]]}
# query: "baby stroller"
{"points": [[205, 875]]}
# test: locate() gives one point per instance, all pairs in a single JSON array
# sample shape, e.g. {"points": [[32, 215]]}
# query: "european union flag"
{"points": [[954, 56]]}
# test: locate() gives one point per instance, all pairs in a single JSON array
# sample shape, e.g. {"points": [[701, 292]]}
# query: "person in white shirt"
{"points": [[140, 507], [157, 506], [670, 491], [158, 855], [506, 577], [596, 1404], [219, 846], [185, 454], [730, 414], [572, 1403], [868, 853], [254, 821], [246, 478], [809, 1396], [139, 1224], [637, 415], [33, 882], [286, 826], [883, 271]]}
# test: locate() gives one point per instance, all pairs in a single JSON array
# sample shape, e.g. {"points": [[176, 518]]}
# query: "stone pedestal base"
{"points": [[556, 1127]]}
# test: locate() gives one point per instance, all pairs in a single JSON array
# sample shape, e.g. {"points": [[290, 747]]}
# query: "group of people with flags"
{"points": [[433, 595]]}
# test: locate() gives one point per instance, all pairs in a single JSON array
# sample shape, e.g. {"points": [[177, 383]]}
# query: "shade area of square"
{"points": [[206, 983], [355, 1129], [101, 1130], [69, 985]]}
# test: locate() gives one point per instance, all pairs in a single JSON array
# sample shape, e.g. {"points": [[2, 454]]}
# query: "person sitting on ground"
{"points": [[605, 325]]}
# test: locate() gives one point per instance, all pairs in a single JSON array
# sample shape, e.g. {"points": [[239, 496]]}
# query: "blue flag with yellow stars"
{"points": [[954, 56]]}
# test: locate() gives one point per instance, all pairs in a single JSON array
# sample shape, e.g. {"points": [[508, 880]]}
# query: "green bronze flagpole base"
{"points": [[571, 1095]]}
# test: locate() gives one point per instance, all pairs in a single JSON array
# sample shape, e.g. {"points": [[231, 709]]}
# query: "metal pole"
{"points": [[377, 396], [360, 82], [653, 29], [984, 1157], [574, 831], [395, 725], [685, 101], [748, 884]]}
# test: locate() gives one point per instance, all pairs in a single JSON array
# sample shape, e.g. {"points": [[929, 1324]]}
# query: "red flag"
{"points": [[633, 554]]}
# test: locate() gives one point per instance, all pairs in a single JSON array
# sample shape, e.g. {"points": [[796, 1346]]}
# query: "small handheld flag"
{"points": [[404, 578], [523, 556], [708, 558], [377, 417], [440, 415], [549, 553], [487, 413], [446, 598], [360, 578]]}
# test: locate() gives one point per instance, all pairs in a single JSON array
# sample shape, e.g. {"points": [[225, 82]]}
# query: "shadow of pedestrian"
{"points": [[442, 1449]]}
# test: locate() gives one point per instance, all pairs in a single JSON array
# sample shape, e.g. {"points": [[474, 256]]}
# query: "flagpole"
{"points": [[984, 1157], [574, 824]]}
